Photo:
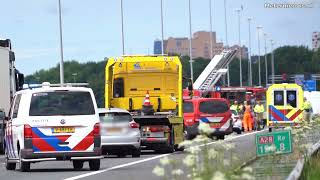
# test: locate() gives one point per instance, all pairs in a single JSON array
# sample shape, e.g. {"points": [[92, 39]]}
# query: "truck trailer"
{"points": [[150, 88]]}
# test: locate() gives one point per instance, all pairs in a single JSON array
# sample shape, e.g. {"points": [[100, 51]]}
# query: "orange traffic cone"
{"points": [[147, 100]]}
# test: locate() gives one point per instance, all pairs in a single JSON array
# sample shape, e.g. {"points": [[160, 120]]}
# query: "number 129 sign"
{"points": [[278, 142]]}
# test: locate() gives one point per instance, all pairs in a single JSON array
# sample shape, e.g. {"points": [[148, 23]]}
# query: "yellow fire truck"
{"points": [[130, 79]]}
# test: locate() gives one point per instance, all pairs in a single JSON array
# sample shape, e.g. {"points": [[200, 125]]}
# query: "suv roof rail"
{"points": [[47, 84]]}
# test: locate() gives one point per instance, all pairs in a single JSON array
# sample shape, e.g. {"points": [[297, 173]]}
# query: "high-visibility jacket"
{"points": [[307, 105], [258, 108], [234, 107]]}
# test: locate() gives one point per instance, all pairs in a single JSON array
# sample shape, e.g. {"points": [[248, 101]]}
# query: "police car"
{"points": [[53, 123]]}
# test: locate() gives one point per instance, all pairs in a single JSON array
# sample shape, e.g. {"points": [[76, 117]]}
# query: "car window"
{"points": [[278, 98], [188, 107], [61, 103], [16, 106], [292, 98], [213, 107], [115, 117]]}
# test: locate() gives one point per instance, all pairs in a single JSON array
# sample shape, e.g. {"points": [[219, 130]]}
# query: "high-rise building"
{"points": [[315, 40], [244, 51], [200, 45]]}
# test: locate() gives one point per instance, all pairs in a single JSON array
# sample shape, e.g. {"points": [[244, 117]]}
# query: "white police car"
{"points": [[53, 123]]}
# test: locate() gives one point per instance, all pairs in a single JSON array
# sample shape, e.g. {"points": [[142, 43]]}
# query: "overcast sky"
{"points": [[92, 29]]}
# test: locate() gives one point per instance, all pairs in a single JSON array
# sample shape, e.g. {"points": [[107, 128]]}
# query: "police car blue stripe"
{"points": [[51, 140], [282, 116]]}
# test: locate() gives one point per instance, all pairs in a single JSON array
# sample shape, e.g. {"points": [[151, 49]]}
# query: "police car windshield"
{"points": [[66, 103], [114, 117]]}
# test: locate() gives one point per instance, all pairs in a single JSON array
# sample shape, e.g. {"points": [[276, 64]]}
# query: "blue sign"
{"points": [[218, 88], [310, 85]]}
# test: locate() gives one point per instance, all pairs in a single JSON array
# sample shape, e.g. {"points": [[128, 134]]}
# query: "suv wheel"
{"points": [[136, 152], [94, 164], [23, 166], [77, 164]]}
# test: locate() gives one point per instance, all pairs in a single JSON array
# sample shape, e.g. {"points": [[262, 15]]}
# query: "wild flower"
{"points": [[307, 127], [204, 128], [158, 171], [212, 154], [226, 162], [201, 139], [186, 143], [218, 176], [247, 169], [164, 161], [189, 160], [193, 149], [288, 128], [247, 176], [229, 146], [177, 172]]}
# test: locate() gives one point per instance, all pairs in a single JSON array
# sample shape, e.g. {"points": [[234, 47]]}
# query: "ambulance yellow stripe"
{"points": [[291, 113]]}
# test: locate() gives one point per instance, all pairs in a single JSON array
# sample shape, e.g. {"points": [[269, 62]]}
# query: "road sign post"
{"points": [[278, 142]]}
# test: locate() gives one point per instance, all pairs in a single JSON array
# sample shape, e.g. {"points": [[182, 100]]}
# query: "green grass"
{"points": [[311, 170]]}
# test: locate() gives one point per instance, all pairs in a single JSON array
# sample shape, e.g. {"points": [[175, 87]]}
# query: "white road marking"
{"points": [[116, 167], [152, 158]]}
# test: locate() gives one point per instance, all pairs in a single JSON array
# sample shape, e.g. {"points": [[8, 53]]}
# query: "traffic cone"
{"points": [[147, 100], [147, 108]]}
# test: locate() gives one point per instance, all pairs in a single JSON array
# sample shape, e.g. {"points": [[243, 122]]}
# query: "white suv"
{"points": [[53, 123]]}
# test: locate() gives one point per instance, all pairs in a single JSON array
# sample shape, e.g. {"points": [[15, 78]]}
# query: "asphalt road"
{"points": [[117, 168]]}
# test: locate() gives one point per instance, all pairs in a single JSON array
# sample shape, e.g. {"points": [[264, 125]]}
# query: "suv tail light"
{"points": [[27, 131], [157, 128], [134, 124], [96, 129]]}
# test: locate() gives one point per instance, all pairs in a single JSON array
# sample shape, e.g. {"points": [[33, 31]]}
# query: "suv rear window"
{"points": [[114, 117], [213, 107], [66, 103], [188, 107]]}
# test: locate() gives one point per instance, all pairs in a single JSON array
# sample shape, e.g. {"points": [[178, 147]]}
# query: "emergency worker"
{"points": [[235, 106], [307, 109], [259, 110], [247, 117]]}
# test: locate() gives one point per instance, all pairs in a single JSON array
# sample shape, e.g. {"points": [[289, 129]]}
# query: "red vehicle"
{"points": [[214, 111]]}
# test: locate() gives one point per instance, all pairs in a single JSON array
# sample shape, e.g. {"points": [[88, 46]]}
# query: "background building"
{"points": [[244, 53], [200, 45], [315, 40]]}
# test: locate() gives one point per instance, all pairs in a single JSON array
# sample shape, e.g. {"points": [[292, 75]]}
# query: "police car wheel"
{"points": [[23, 166], [136, 152], [77, 164], [94, 165], [10, 166]]}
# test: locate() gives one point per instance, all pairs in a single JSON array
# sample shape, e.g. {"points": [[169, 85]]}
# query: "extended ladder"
{"points": [[214, 70]]}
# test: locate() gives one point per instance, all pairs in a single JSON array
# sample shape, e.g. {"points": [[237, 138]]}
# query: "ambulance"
{"points": [[284, 105]]}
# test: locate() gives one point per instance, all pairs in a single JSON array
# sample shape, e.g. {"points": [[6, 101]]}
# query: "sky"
{"points": [[92, 29]]}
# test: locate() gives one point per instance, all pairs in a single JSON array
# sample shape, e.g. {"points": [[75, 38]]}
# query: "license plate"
{"points": [[63, 130], [113, 130], [214, 124]]}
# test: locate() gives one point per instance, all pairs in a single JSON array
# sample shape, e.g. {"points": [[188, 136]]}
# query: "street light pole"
{"points": [[272, 60], [122, 28], [162, 36], [190, 42], [240, 48], [259, 28], [266, 57], [227, 45], [61, 45], [249, 53], [211, 43]]}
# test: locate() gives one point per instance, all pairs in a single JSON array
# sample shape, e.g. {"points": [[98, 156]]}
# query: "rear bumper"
{"points": [[29, 156], [192, 131], [154, 143]]}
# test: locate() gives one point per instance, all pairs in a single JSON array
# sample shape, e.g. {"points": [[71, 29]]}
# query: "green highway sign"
{"points": [[278, 142]]}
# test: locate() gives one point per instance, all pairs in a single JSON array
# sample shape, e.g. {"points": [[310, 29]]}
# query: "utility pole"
{"points": [[61, 45], [190, 42], [249, 54], [240, 48], [266, 57], [227, 44], [272, 60], [162, 36], [122, 28], [211, 43], [259, 28]]}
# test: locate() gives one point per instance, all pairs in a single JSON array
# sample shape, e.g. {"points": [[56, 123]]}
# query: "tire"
{"points": [[94, 165], [220, 137], [136, 153], [23, 166], [10, 166], [77, 165], [270, 129], [170, 148]]}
